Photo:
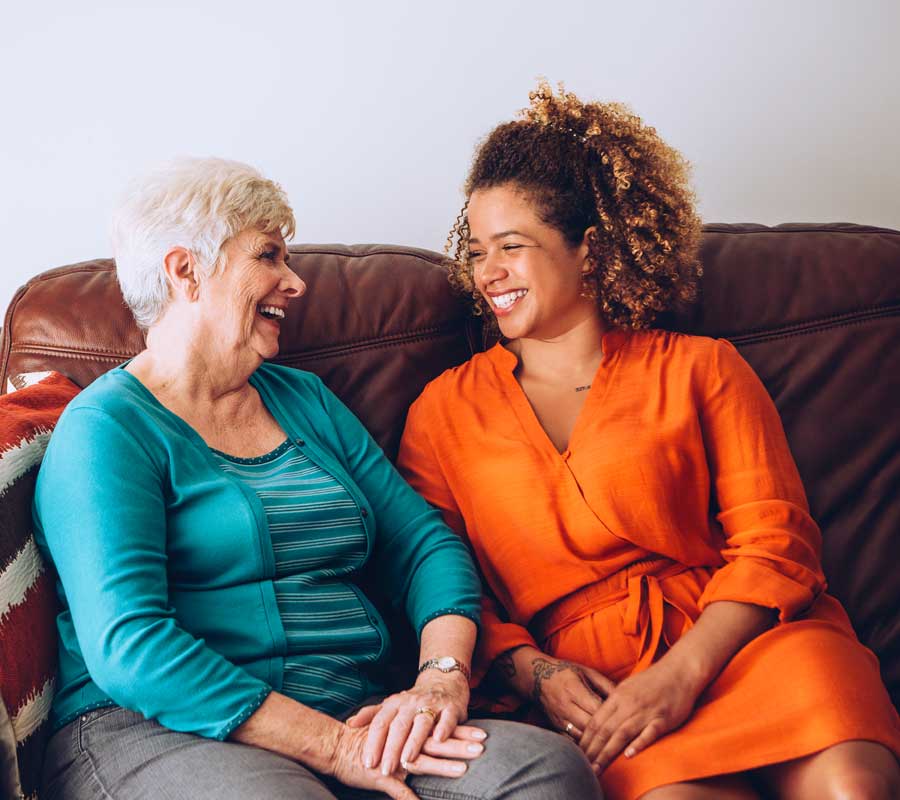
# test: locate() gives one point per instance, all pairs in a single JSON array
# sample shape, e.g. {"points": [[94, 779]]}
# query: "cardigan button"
{"points": [[364, 513], [301, 442]]}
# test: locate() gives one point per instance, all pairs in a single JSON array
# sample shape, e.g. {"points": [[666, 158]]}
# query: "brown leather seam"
{"points": [[807, 328], [862, 313], [300, 250], [352, 346], [716, 227], [23, 345], [5, 338], [378, 344], [321, 251], [417, 333], [58, 351]]}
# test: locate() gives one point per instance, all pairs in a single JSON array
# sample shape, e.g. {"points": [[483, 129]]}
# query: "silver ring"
{"points": [[569, 728]]}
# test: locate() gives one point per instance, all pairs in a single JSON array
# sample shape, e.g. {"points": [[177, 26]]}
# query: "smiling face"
{"points": [[244, 302], [525, 269]]}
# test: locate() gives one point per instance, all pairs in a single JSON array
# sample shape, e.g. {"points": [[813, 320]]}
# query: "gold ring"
{"points": [[426, 710], [569, 728]]}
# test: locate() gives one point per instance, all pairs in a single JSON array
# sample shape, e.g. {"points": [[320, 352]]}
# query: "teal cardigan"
{"points": [[165, 562]]}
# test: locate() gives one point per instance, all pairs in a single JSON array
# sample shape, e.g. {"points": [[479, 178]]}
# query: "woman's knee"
{"points": [[119, 754], [861, 783], [723, 787], [854, 770], [537, 763]]}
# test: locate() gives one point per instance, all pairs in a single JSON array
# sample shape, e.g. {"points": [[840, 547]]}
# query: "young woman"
{"points": [[689, 655]]}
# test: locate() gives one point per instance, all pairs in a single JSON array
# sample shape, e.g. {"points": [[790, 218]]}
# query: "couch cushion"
{"points": [[27, 595]]}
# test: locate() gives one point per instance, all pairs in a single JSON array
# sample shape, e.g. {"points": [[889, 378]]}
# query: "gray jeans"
{"points": [[114, 754]]}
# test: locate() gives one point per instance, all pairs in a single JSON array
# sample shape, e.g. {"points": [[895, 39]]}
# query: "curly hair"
{"points": [[595, 164]]}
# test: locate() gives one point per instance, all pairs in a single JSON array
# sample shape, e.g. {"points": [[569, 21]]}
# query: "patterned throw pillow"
{"points": [[27, 596]]}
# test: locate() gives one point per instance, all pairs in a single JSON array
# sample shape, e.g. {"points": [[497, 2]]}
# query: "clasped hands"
{"points": [[418, 731], [383, 743], [605, 718]]}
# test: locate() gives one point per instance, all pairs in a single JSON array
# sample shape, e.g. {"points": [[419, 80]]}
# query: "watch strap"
{"points": [[446, 664]]}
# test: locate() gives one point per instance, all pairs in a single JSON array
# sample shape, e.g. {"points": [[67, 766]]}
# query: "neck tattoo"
{"points": [[582, 388]]}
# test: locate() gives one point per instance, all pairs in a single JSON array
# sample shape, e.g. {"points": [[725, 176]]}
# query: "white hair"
{"points": [[195, 203]]}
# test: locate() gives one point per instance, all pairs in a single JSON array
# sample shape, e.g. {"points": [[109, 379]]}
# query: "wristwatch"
{"points": [[446, 664]]}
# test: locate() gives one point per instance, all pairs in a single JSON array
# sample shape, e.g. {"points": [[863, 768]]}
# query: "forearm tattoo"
{"points": [[541, 669]]}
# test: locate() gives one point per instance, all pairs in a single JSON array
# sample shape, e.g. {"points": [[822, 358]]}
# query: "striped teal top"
{"points": [[317, 534]]}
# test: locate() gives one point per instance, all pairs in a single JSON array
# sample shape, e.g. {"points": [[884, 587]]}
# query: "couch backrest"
{"points": [[815, 309]]}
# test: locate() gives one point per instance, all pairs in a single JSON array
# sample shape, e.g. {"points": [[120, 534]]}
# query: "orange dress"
{"points": [[677, 489]]}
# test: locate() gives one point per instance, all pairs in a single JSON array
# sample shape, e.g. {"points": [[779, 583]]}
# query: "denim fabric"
{"points": [[114, 754]]}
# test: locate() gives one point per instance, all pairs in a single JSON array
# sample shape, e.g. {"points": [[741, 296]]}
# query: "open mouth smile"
{"points": [[503, 303], [270, 312]]}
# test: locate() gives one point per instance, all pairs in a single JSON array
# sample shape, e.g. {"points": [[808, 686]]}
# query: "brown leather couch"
{"points": [[815, 309]]}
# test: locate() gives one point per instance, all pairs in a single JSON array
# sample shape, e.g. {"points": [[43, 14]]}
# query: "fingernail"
{"points": [[459, 768], [385, 769], [405, 764], [474, 748], [479, 734], [629, 752], [369, 762]]}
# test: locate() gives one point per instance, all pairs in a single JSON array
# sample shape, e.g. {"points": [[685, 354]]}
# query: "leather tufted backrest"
{"points": [[815, 309]]}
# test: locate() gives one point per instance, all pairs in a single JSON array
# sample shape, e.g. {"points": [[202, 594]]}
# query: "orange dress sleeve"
{"points": [[772, 546], [420, 465]]}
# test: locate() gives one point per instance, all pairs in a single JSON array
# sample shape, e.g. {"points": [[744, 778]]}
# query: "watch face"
{"points": [[447, 662]]}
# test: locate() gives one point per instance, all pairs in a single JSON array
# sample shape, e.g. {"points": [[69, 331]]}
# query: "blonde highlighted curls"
{"points": [[595, 165]]}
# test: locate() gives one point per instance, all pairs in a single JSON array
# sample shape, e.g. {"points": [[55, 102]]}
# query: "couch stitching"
{"points": [[379, 344], [22, 344], [300, 251], [833, 322], [863, 312], [84, 355], [803, 228], [352, 346]]}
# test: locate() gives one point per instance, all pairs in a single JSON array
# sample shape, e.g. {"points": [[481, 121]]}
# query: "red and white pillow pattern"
{"points": [[27, 595]]}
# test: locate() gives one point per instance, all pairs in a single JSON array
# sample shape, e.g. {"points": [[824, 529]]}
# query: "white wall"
{"points": [[367, 112]]}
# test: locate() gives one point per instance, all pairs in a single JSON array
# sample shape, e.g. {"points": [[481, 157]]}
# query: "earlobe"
{"points": [[589, 266], [181, 272]]}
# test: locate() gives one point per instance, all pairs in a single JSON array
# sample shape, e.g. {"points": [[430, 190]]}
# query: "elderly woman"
{"points": [[207, 513], [690, 656]]}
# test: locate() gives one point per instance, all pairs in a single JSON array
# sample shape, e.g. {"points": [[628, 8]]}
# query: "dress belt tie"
{"points": [[645, 616], [645, 607]]}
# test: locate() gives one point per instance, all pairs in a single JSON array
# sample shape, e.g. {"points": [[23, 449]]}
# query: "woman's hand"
{"points": [[640, 710], [446, 759], [398, 728], [348, 768], [569, 693]]}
